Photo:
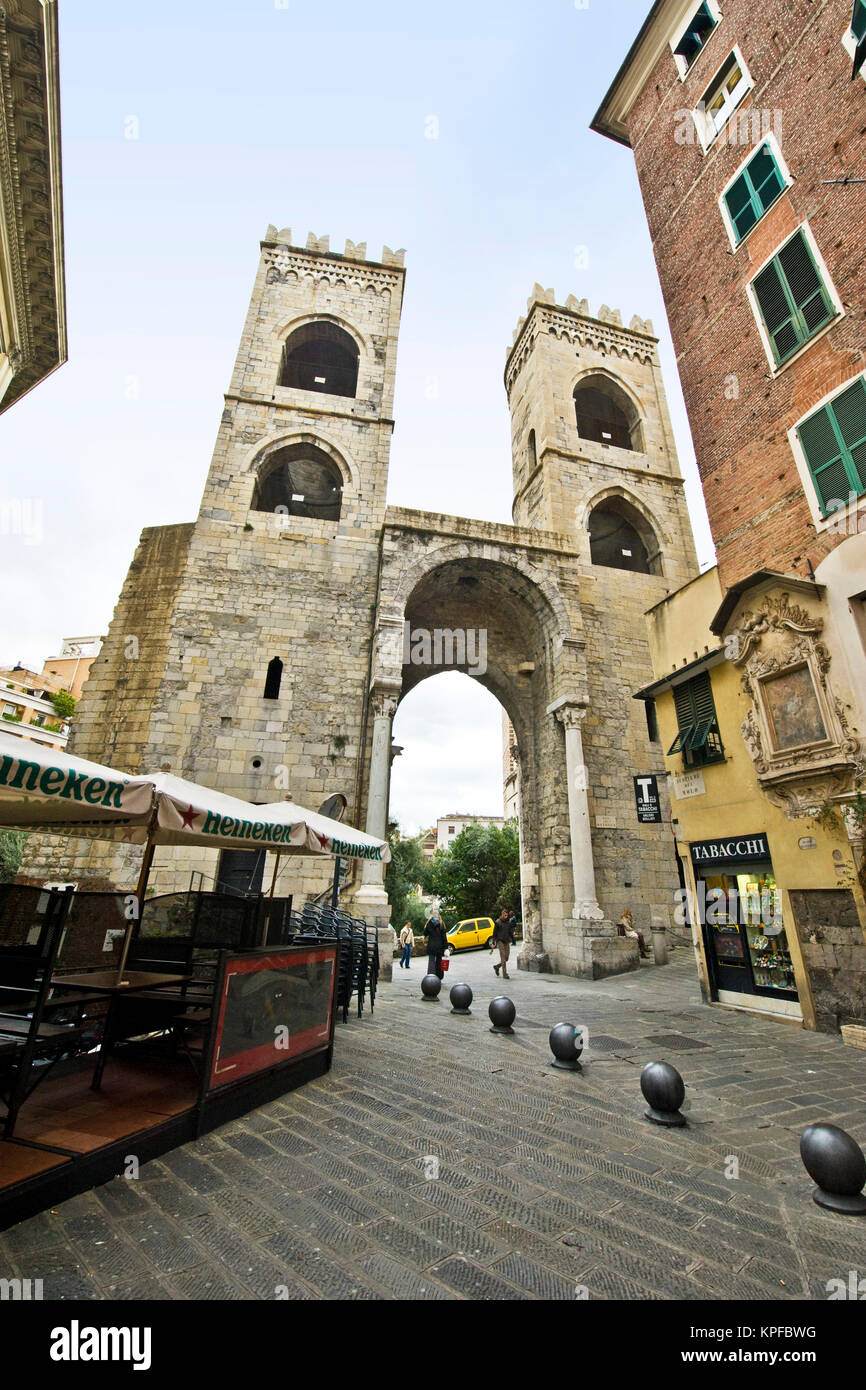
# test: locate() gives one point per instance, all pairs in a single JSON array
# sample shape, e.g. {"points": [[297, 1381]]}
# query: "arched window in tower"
{"points": [[300, 480], [606, 414], [320, 357], [531, 452], [621, 539], [273, 679]]}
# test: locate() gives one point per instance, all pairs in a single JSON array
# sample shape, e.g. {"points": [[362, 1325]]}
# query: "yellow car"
{"points": [[475, 931]]}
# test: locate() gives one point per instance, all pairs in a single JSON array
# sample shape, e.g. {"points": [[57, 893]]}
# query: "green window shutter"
{"points": [[700, 27], [754, 191], [834, 442], [696, 720], [858, 21], [792, 298]]}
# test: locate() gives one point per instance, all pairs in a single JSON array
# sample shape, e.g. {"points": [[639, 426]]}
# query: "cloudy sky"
{"points": [[188, 127]]}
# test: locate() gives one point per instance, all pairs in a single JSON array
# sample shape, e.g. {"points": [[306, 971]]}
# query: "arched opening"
{"points": [[531, 451], [621, 539], [320, 357], [606, 414], [300, 480], [448, 780], [273, 679]]}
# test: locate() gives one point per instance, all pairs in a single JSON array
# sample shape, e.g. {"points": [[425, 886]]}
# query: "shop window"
{"points": [[300, 480], [833, 440], [320, 357], [698, 30], [754, 191], [698, 738], [792, 298], [273, 680]]}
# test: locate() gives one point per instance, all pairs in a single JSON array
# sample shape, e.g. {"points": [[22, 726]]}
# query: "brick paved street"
{"points": [[548, 1180]]}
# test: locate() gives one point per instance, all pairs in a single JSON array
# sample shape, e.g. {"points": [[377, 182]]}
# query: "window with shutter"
{"points": [[722, 97], [834, 443], [858, 29], [700, 26], [793, 299], [756, 189], [698, 737]]}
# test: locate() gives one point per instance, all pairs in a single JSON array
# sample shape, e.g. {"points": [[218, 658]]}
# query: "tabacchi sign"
{"points": [[738, 849]]}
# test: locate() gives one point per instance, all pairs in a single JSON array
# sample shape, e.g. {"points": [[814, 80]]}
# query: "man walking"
{"points": [[437, 942], [503, 935], [407, 941]]}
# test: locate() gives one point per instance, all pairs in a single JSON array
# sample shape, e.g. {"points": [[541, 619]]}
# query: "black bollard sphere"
{"points": [[461, 998], [566, 1046], [663, 1088], [430, 987], [502, 1014], [836, 1163]]}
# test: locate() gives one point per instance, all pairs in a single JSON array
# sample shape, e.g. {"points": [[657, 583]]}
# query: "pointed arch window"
{"points": [[322, 357], [300, 480], [273, 679], [605, 414], [620, 538]]}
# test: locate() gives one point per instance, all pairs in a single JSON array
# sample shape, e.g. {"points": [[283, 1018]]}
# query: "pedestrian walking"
{"points": [[503, 936], [407, 941], [437, 942]]}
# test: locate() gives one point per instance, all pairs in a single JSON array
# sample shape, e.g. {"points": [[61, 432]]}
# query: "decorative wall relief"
{"points": [[796, 730]]}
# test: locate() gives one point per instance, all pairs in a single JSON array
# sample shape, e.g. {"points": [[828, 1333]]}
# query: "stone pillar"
{"points": [[371, 899], [586, 907]]}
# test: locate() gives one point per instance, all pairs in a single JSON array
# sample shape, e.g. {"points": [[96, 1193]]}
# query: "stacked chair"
{"points": [[39, 1025]]}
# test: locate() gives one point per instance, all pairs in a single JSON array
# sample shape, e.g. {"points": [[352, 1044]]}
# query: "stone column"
{"points": [[586, 907], [371, 898]]}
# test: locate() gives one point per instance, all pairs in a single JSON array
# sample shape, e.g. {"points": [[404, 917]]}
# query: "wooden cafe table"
{"points": [[105, 982]]}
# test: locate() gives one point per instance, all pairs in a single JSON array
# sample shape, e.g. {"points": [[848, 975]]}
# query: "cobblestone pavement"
{"points": [[549, 1182]]}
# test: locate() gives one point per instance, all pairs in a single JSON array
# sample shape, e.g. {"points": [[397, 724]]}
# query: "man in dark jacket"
{"points": [[503, 935], [437, 942]]}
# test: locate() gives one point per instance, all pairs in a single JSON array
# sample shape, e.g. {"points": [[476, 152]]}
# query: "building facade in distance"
{"points": [[32, 291], [749, 176]]}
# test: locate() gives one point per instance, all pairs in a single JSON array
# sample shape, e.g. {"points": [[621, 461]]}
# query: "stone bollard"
{"points": [[660, 945], [834, 1160], [502, 1013], [461, 998], [430, 987], [665, 1091]]}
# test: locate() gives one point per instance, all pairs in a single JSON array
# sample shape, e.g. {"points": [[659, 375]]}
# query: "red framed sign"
{"points": [[271, 1008]]}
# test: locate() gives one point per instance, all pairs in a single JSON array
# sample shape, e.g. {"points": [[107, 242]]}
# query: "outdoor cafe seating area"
{"points": [[197, 1009]]}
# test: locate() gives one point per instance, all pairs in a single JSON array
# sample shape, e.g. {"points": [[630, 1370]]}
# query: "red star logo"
{"points": [[188, 816], [322, 839]]}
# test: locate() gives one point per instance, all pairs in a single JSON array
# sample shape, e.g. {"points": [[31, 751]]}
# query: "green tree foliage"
{"points": [[404, 873], [11, 850], [479, 874], [63, 703]]}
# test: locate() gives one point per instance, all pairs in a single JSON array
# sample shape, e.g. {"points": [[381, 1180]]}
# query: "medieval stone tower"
{"points": [[262, 649]]}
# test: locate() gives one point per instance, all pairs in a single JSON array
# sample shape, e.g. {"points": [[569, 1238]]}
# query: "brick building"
{"points": [[748, 133]]}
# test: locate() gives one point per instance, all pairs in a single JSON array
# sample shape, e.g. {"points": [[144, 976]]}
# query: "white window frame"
{"points": [[776, 368], [768, 139], [849, 43], [852, 516], [708, 133], [682, 67]]}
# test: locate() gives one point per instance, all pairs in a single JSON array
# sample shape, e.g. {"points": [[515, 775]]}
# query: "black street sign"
{"points": [[646, 795]]}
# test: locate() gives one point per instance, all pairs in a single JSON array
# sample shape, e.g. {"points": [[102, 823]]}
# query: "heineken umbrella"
{"points": [[43, 788], [189, 814]]}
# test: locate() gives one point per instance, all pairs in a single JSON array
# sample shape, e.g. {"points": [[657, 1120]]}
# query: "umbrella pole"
{"points": [[274, 875], [139, 894]]}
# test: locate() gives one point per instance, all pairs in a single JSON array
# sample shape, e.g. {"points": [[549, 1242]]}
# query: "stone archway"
{"points": [[505, 612]]}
